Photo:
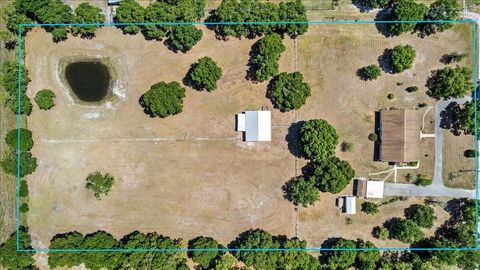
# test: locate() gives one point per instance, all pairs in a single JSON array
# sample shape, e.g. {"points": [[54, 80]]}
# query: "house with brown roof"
{"points": [[399, 136]]}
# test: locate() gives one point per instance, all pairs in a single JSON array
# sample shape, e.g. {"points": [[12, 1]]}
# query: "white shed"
{"points": [[375, 189], [256, 124], [350, 205]]}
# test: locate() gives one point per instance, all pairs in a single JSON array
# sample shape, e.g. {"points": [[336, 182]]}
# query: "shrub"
{"points": [[23, 189], [333, 175], [204, 74], [369, 73], [373, 137], [370, 208], [423, 180], [347, 146], [24, 208], [411, 89], [402, 57], [99, 184], [390, 96], [422, 215], [288, 91], [25, 104], [163, 99], [380, 233], [469, 153], [302, 191], [26, 141], [265, 55], [318, 140], [44, 99]]}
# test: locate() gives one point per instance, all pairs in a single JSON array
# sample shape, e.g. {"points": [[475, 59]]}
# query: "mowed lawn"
{"points": [[190, 174]]}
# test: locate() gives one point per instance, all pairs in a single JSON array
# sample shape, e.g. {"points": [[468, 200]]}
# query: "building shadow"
{"points": [[378, 143]]}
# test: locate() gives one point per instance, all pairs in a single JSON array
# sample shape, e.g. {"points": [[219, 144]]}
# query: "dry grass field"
{"points": [[190, 174], [458, 170]]}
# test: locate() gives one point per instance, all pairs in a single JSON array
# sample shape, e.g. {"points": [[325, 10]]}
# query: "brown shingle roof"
{"points": [[399, 135]]}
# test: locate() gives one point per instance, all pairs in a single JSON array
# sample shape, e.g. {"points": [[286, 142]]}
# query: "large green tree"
{"points": [[159, 11], [288, 91], [254, 239], [293, 11], [163, 99], [406, 10], [26, 141], [367, 259], [203, 258], [318, 139], [451, 83], [28, 164], [184, 37], [130, 11], [54, 12], [466, 117], [302, 191], [402, 57], [87, 13], [99, 260], [66, 241], [265, 55], [422, 215], [333, 175], [341, 259], [9, 78], [204, 74], [404, 230], [100, 184], [441, 10], [10, 258]]}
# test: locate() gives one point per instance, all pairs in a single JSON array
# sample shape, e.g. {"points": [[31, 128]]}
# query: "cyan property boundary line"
{"points": [[344, 22]]}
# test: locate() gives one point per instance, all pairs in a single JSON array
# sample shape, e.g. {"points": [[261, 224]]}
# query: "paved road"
{"points": [[411, 190]]}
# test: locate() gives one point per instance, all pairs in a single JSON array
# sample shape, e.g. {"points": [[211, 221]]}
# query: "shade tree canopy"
{"points": [[100, 184], [130, 11], [264, 57], [184, 37], [404, 230], [203, 258], [466, 117], [28, 164], [441, 10], [333, 175], [204, 74], [87, 13], [422, 215], [302, 191], [451, 83], [402, 57], [288, 91], [10, 258], [405, 10], [26, 141], [318, 140], [163, 99], [341, 259]]}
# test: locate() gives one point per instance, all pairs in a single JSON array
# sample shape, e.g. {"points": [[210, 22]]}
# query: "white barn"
{"points": [[375, 189], [257, 125], [350, 205]]}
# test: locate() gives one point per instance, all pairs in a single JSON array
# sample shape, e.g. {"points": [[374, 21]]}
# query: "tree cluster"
{"points": [[249, 12], [345, 258], [451, 83], [163, 99], [264, 57], [180, 37], [20, 153], [11, 84], [288, 91], [10, 258]]}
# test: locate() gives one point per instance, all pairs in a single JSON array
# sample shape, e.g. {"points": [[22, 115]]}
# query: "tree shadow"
{"points": [[385, 61], [409, 211], [292, 138], [250, 74], [384, 28], [362, 5], [188, 81], [145, 108], [287, 191], [449, 119]]}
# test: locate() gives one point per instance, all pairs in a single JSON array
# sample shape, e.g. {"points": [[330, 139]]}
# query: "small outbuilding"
{"points": [[375, 189], [350, 205], [399, 136], [257, 125], [359, 187]]}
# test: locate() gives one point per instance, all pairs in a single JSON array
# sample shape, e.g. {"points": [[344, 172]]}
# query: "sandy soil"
{"points": [[190, 174]]}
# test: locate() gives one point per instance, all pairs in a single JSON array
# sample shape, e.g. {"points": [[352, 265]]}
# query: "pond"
{"points": [[89, 80]]}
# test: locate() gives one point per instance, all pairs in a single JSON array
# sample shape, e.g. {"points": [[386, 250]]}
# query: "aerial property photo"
{"points": [[238, 134]]}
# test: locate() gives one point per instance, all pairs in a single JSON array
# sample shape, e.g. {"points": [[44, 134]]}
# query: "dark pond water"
{"points": [[88, 80]]}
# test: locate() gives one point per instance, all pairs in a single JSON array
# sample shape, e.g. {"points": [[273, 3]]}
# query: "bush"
{"points": [[422, 105], [302, 191], [23, 189], [402, 57], [411, 89], [99, 184], [423, 180], [184, 37], [204, 74], [451, 83], [163, 99], [347, 146], [318, 140], [380, 233], [452, 58], [26, 141], [333, 175], [44, 99], [422, 215], [265, 55], [24, 208], [390, 96], [373, 137], [28, 164], [288, 91], [25, 104], [370, 208], [203, 258], [469, 153], [369, 73]]}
